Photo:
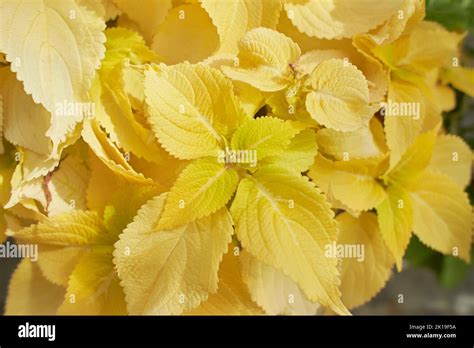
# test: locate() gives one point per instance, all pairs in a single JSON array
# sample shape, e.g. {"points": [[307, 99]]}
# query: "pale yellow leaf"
{"points": [[284, 221], [276, 293], [453, 157], [2, 149], [148, 15], [428, 46], [234, 18], [94, 288], [109, 154], [201, 189], [264, 60], [170, 271], [442, 215], [172, 41], [300, 153], [340, 99], [362, 275], [266, 136], [25, 123], [29, 293], [192, 109], [352, 182], [461, 78], [232, 297], [67, 186], [402, 127], [63, 240], [337, 19], [361, 143], [53, 54], [400, 23], [251, 99], [395, 217], [415, 159]]}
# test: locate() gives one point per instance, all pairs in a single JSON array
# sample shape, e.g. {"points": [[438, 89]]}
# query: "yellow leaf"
{"points": [[311, 59], [361, 143], [453, 157], [340, 99], [300, 153], [362, 277], [113, 107], [251, 99], [122, 46], [414, 161], [232, 297], [105, 9], [93, 288], [395, 217], [427, 47], [276, 293], [24, 123], [288, 104], [442, 215], [446, 97], [266, 136], [461, 78], [353, 182], [67, 186], [264, 60], [164, 173], [102, 185], [48, 36], [148, 15], [284, 221], [133, 86], [177, 268], [29, 293], [402, 128], [192, 109], [124, 204], [234, 18], [78, 228], [202, 188], [108, 153], [400, 23], [337, 19], [2, 149], [58, 262], [6, 172], [305, 42], [27, 194], [181, 24], [62, 240], [320, 50]]}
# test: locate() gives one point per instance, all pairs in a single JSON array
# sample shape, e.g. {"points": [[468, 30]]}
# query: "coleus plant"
{"points": [[210, 157]]}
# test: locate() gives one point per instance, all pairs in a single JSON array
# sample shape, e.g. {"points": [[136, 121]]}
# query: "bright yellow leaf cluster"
{"points": [[225, 157]]}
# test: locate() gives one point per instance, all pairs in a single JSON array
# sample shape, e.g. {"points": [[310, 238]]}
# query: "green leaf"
{"points": [[453, 14], [453, 271], [419, 255]]}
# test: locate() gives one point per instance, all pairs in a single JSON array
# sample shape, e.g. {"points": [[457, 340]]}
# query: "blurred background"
{"points": [[430, 283]]}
